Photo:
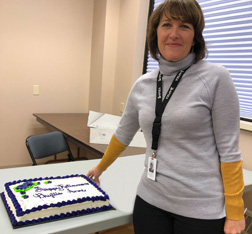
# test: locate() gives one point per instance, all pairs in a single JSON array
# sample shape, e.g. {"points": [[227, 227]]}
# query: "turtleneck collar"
{"points": [[168, 68]]}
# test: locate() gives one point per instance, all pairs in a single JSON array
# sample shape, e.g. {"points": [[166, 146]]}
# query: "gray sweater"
{"points": [[200, 129]]}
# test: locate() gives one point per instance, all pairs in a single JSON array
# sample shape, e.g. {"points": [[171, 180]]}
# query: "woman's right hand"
{"points": [[94, 174]]}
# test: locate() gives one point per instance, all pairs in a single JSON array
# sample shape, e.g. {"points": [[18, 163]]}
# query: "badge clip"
{"points": [[154, 154]]}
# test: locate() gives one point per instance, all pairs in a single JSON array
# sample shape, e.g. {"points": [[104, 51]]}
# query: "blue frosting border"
{"points": [[19, 211], [16, 224]]}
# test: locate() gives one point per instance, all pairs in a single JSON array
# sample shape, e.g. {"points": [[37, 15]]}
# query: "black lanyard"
{"points": [[160, 105]]}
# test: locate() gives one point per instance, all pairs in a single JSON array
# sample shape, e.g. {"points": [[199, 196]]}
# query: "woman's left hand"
{"points": [[234, 226], [94, 173]]}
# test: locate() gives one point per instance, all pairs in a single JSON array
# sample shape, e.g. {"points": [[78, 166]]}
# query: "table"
{"points": [[118, 182], [74, 127]]}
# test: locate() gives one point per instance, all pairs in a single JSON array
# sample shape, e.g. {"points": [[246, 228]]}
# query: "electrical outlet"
{"points": [[122, 107], [36, 90]]}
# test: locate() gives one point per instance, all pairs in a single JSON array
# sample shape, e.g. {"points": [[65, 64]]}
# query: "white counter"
{"points": [[119, 182]]}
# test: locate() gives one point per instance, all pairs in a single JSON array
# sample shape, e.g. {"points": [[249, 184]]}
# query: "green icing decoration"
{"points": [[24, 187]]}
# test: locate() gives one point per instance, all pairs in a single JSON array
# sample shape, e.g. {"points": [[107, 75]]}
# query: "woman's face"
{"points": [[175, 38]]}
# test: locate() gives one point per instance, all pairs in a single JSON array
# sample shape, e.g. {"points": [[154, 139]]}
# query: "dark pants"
{"points": [[149, 219]]}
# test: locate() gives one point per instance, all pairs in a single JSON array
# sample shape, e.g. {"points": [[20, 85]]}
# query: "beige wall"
{"points": [[130, 49], [97, 53], [104, 55], [84, 55], [117, 51], [45, 43]]}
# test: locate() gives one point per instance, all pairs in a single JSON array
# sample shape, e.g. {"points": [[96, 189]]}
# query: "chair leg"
{"points": [[34, 163], [70, 157]]}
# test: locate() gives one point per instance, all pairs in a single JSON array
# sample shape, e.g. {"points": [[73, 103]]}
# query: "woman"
{"points": [[188, 110]]}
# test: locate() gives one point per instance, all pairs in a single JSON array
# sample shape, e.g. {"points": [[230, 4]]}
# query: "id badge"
{"points": [[152, 167]]}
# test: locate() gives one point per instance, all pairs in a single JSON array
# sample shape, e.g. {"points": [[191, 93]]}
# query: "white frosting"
{"points": [[59, 190]]}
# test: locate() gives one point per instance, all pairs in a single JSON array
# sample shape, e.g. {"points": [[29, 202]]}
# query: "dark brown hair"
{"points": [[187, 11]]}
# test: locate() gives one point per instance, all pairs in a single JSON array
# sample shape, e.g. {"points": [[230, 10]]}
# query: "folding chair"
{"points": [[48, 144]]}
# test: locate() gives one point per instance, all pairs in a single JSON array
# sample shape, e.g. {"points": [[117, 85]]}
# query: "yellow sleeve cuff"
{"points": [[114, 149], [233, 183]]}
